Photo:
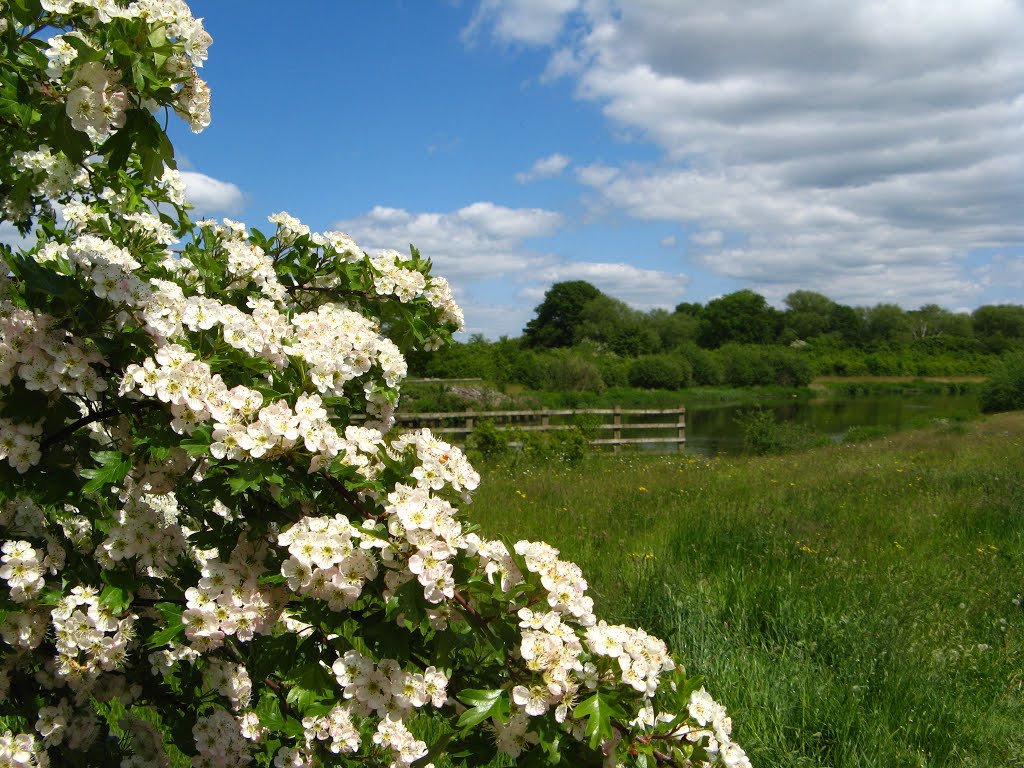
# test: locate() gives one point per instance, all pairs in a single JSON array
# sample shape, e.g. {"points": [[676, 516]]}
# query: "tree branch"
{"points": [[59, 437]]}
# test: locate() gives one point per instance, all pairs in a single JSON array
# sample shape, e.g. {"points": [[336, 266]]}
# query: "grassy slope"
{"points": [[852, 606]]}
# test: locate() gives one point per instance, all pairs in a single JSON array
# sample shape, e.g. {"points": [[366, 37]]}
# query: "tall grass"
{"points": [[855, 605]]}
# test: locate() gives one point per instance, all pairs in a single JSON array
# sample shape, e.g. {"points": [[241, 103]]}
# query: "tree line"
{"points": [[582, 339]]}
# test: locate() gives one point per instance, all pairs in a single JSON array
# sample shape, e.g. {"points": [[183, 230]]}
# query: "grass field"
{"points": [[855, 605]]}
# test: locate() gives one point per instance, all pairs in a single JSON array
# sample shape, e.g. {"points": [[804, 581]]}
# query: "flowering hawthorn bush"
{"points": [[215, 550]]}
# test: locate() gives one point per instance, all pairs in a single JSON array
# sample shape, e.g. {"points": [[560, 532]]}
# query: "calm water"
{"points": [[713, 430]]}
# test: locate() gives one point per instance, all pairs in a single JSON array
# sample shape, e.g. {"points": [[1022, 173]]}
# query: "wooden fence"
{"points": [[621, 423]]}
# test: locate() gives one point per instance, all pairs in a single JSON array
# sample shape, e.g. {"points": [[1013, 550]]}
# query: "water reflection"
{"points": [[712, 430]]}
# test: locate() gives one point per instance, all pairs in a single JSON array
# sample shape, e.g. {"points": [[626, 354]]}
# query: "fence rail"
{"points": [[614, 420]]}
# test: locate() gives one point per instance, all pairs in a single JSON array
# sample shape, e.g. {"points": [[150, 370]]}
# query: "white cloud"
{"points": [[596, 175], [210, 195], [485, 250], [480, 241], [544, 168], [861, 149], [669, 241], [532, 22], [708, 237], [1004, 272]]}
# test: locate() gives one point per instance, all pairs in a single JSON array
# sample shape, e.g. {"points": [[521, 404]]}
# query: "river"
{"points": [[713, 430]]}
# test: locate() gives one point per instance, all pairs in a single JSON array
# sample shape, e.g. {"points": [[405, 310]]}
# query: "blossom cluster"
{"points": [[338, 726], [147, 530], [96, 101], [716, 727], [219, 741], [21, 750], [439, 464], [325, 562], [423, 530], [641, 657], [22, 566], [242, 425], [385, 688], [392, 732], [90, 639], [562, 579], [551, 649], [42, 359], [56, 175], [228, 599]]}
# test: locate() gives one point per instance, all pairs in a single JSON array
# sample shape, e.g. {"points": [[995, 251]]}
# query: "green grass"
{"points": [[851, 605]]}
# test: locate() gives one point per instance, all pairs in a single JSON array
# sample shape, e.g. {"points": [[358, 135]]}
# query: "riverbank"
{"points": [[439, 395], [814, 590]]}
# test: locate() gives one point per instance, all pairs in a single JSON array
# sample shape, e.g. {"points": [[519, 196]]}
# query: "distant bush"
{"points": [[568, 446], [572, 372], [763, 435], [487, 441], [1004, 389], [750, 365], [614, 370], [659, 372], [705, 369]]}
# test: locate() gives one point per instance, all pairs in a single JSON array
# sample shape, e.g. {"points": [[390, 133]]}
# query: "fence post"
{"points": [[617, 431], [681, 429]]}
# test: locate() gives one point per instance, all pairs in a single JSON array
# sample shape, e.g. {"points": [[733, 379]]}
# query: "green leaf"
{"points": [[483, 704], [309, 684], [50, 597], [599, 712], [198, 443], [268, 710], [113, 468], [245, 476], [117, 599], [175, 627]]}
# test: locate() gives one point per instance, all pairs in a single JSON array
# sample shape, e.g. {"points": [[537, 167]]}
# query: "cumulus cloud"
{"points": [[494, 258], [708, 237], [480, 241], [530, 22], [209, 195], [861, 149], [544, 168]]}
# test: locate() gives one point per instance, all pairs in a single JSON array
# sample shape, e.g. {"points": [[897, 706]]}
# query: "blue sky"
{"points": [[664, 150]]}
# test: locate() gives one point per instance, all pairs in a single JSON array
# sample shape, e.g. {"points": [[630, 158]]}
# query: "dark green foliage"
{"points": [[749, 365], [999, 327], [559, 314], [743, 317], [659, 372], [487, 441], [704, 365], [614, 370], [808, 314], [573, 372], [1004, 390], [583, 341], [612, 325]]}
